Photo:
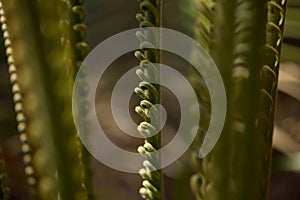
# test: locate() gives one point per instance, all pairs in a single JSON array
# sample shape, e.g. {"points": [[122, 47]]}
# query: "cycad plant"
{"points": [[45, 46], [248, 60], [53, 156]]}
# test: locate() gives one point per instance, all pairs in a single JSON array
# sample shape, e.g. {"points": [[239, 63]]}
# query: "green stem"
{"points": [[45, 60], [249, 37], [79, 48], [240, 160], [203, 27], [150, 93], [26, 146], [216, 166], [268, 90]]}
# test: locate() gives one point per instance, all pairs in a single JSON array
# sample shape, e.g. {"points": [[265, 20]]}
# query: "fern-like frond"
{"points": [[213, 170], [21, 118], [203, 29], [204, 22], [42, 54], [268, 85], [242, 30], [79, 48], [151, 17]]}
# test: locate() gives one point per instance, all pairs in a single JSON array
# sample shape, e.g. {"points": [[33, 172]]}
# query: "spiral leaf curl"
{"points": [[79, 48], [47, 79], [151, 17], [78, 28], [21, 118], [269, 80], [68, 148], [238, 51]]}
